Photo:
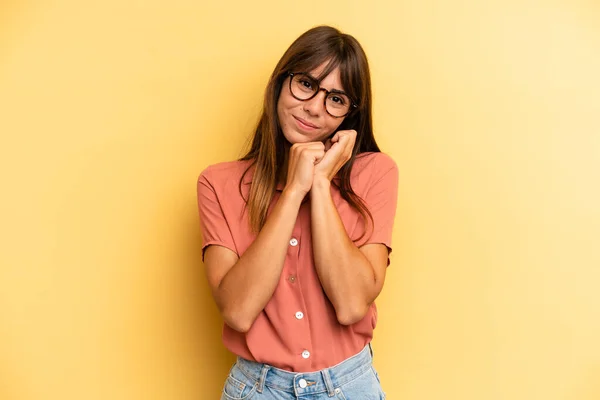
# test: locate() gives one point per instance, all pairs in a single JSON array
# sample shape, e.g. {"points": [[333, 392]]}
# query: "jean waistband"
{"points": [[300, 383]]}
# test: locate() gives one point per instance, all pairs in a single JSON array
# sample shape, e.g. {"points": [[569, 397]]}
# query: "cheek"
{"points": [[281, 109], [283, 115], [333, 124], [284, 104]]}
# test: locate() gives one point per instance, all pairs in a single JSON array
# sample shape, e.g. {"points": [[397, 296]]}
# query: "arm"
{"points": [[351, 277], [243, 286]]}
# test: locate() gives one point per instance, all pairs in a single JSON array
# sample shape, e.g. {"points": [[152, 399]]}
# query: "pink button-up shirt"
{"points": [[298, 329]]}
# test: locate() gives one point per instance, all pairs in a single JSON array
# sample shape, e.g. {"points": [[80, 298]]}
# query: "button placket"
{"points": [[293, 255], [292, 278]]}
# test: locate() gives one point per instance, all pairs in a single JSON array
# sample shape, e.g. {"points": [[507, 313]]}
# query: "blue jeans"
{"points": [[352, 379]]}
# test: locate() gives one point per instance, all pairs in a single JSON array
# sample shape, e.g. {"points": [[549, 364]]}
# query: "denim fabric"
{"points": [[352, 379]]}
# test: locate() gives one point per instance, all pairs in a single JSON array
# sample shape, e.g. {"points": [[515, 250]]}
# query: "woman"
{"points": [[297, 233]]}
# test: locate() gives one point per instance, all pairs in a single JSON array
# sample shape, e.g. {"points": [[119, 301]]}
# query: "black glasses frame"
{"points": [[352, 107]]}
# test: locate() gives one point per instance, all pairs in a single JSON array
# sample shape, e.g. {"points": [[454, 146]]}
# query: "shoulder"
{"points": [[373, 164], [228, 171], [371, 170]]}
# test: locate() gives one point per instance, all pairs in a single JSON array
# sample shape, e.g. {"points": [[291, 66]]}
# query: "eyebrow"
{"points": [[336, 91]]}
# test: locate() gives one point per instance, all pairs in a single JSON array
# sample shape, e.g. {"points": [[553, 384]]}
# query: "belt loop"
{"points": [[263, 376], [328, 382], [371, 350]]}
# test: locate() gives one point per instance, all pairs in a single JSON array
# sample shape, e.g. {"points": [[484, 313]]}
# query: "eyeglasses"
{"points": [[304, 87]]}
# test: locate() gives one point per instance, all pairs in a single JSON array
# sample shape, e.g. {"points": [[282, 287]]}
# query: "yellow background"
{"points": [[109, 110]]}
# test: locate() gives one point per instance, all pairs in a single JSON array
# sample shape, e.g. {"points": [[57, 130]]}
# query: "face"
{"points": [[308, 121]]}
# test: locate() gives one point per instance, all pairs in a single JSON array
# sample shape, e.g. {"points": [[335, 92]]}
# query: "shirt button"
{"points": [[302, 383], [292, 278], [299, 315], [305, 354], [294, 242]]}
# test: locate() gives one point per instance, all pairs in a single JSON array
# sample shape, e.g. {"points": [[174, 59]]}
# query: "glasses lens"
{"points": [[337, 104], [303, 87]]}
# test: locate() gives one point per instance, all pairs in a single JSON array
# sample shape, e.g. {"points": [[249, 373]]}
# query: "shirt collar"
{"points": [[248, 180], [280, 185]]}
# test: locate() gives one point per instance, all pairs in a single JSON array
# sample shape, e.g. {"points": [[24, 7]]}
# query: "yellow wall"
{"points": [[110, 109]]}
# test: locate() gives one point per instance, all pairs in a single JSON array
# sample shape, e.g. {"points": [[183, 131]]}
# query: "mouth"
{"points": [[305, 124]]}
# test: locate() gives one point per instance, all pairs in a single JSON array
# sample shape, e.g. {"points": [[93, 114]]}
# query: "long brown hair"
{"points": [[267, 153]]}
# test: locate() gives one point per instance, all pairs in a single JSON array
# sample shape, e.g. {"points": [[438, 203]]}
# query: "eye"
{"points": [[306, 84], [337, 100]]}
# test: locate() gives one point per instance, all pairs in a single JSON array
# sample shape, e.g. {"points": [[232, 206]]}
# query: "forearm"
{"points": [[345, 273], [249, 285]]}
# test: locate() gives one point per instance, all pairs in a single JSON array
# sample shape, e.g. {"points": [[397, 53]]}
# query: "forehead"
{"points": [[331, 81]]}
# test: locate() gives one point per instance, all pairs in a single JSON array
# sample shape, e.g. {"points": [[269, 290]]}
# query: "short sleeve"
{"points": [[214, 226], [381, 199]]}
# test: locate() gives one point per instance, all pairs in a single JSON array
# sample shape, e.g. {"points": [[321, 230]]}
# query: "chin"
{"points": [[297, 137]]}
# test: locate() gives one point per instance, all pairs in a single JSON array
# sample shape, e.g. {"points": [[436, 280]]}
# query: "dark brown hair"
{"points": [[267, 153]]}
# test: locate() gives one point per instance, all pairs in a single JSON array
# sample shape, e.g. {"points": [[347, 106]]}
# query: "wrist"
{"points": [[293, 194], [321, 183]]}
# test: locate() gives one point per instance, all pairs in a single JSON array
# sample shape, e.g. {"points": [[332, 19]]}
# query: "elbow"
{"points": [[237, 320], [350, 315]]}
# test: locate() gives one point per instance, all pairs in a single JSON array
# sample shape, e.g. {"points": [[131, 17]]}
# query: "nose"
{"points": [[316, 105]]}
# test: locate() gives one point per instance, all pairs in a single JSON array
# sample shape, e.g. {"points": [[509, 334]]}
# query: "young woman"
{"points": [[297, 233]]}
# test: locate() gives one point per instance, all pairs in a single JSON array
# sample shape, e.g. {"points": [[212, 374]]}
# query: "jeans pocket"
{"points": [[366, 386], [238, 386]]}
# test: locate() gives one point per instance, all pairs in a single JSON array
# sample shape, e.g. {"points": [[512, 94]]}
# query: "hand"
{"points": [[301, 165], [338, 152]]}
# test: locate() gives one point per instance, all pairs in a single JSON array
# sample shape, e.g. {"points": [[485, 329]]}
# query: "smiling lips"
{"points": [[305, 124]]}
